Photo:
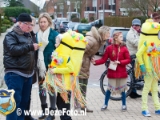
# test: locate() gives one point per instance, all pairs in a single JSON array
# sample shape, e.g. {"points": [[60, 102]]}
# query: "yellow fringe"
{"points": [[76, 92], [55, 83]]}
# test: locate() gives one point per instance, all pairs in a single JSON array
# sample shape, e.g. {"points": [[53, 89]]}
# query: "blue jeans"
{"points": [[22, 87]]}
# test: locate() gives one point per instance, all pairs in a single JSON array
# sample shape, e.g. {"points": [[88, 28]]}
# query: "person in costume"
{"points": [[65, 67], [148, 63], [117, 75], [95, 38], [132, 40], [46, 38]]}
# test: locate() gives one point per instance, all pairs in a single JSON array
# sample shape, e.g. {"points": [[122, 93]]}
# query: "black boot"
{"points": [[29, 118], [51, 116], [43, 116], [134, 95]]}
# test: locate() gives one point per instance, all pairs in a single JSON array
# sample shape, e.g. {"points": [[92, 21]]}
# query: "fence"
{"points": [[117, 21]]}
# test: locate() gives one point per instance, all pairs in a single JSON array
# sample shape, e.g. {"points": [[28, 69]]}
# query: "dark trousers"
{"points": [[22, 87], [28, 105], [83, 86], [61, 104]]}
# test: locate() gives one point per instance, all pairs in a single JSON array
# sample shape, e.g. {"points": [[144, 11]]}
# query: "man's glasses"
{"points": [[31, 25]]}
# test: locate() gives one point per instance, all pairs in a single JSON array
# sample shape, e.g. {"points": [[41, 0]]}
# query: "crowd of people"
{"points": [[28, 56]]}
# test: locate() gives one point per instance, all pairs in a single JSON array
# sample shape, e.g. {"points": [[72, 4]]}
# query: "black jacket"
{"points": [[18, 51]]}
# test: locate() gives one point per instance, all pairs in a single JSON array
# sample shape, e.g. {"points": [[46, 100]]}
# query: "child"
{"points": [[117, 74]]}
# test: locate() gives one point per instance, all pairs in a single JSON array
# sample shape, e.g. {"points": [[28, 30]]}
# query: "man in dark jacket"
{"points": [[19, 64]]}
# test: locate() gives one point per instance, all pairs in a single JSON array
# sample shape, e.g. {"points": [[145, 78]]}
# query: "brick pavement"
{"points": [[95, 100]]}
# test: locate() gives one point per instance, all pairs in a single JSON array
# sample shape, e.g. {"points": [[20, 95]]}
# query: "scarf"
{"points": [[43, 39]]}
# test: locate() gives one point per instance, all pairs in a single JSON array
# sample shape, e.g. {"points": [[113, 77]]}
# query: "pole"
{"points": [[103, 12], [96, 9], [111, 8]]}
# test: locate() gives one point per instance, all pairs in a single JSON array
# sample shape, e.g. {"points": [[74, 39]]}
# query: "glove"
{"points": [[143, 69]]}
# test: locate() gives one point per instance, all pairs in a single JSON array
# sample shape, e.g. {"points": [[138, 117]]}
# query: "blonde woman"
{"points": [[46, 36], [95, 39]]}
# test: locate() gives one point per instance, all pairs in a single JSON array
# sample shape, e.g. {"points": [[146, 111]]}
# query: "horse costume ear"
{"points": [[159, 35], [7, 102]]}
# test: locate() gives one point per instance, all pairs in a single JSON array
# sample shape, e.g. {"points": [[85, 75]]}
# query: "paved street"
{"points": [[95, 100]]}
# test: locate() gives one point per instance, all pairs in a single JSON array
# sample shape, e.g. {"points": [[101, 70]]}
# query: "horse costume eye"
{"points": [[159, 35]]}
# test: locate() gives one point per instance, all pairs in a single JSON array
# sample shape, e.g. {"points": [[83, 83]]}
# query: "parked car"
{"points": [[63, 26], [57, 22], [82, 28], [71, 25], [97, 23], [113, 29]]}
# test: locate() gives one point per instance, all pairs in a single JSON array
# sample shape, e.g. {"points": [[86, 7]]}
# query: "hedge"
{"points": [[6, 21], [15, 11], [3, 29], [84, 20], [7, 25]]}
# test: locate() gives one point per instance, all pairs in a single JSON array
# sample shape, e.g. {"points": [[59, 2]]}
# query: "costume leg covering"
{"points": [[154, 90], [147, 86]]}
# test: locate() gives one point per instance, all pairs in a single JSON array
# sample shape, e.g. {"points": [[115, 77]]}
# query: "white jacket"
{"points": [[132, 39]]}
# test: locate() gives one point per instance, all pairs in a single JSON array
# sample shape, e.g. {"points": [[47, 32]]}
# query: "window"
{"points": [[94, 3], [87, 8]]}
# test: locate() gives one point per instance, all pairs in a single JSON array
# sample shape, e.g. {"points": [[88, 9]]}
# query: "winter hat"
{"points": [[136, 22], [24, 17]]}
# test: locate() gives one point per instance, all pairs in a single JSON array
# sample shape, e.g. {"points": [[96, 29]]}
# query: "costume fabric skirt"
{"points": [[117, 86]]}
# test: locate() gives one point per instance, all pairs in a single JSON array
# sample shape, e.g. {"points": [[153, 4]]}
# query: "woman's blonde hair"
{"points": [[47, 16], [102, 31]]}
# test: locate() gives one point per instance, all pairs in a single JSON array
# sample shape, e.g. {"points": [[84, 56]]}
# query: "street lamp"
{"points": [[69, 5], [55, 15]]}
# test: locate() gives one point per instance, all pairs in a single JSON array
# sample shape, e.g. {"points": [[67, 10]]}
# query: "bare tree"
{"points": [[144, 6]]}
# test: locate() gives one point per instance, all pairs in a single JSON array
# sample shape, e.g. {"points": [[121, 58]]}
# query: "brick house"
{"points": [[93, 9]]}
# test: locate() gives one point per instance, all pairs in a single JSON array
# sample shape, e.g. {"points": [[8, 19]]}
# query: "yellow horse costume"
{"points": [[66, 62], [148, 57]]}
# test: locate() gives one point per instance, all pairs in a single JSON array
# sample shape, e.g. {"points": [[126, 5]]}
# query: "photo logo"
{"points": [[7, 102]]}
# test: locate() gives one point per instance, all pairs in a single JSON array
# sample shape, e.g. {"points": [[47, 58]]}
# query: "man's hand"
{"points": [[36, 46]]}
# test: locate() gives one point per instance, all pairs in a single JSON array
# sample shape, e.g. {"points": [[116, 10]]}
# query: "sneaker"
{"points": [[157, 112], [124, 107], [104, 107], [146, 113]]}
